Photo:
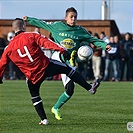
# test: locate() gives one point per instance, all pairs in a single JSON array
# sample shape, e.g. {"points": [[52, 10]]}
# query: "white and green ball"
{"points": [[85, 52]]}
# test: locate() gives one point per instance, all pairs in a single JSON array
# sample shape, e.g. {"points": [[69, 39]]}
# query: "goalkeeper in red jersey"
{"points": [[25, 52], [69, 35]]}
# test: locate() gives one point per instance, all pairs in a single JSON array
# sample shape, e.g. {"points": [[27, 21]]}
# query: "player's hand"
{"points": [[25, 18], [108, 47]]}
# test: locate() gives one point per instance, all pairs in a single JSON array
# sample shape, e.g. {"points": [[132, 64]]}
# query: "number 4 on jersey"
{"points": [[26, 54]]}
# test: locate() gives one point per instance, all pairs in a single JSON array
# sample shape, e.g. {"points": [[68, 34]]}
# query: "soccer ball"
{"points": [[85, 53]]}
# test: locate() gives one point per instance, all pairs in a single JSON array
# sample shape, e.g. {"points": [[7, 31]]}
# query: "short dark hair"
{"points": [[71, 9], [17, 23], [19, 19]]}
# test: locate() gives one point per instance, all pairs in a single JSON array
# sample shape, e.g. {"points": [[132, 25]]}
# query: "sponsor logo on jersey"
{"points": [[68, 43], [68, 35]]}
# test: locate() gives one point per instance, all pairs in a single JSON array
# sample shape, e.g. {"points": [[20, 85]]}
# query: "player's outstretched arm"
{"points": [[39, 23]]}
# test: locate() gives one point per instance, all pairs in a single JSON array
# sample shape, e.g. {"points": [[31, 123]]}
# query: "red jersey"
{"points": [[24, 50]]}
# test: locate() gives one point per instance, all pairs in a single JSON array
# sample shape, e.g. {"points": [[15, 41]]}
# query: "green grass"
{"points": [[108, 111]]}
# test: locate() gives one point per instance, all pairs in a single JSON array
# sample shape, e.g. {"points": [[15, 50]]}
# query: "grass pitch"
{"points": [[108, 111]]}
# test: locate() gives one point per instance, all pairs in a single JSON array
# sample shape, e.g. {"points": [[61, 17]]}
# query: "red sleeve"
{"points": [[4, 61], [48, 44]]}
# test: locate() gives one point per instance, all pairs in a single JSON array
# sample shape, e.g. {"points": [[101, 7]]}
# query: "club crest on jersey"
{"points": [[68, 43]]}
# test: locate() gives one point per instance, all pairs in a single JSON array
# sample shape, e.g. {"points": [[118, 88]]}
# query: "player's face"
{"points": [[71, 18]]}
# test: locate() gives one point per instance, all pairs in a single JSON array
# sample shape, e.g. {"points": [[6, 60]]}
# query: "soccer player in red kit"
{"points": [[25, 52]]}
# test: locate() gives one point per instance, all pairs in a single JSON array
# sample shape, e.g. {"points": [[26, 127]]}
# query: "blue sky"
{"points": [[120, 10]]}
